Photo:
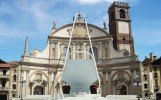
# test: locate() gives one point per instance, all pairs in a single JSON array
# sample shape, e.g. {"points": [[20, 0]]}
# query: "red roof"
{"points": [[13, 63], [2, 65], [8, 64]]}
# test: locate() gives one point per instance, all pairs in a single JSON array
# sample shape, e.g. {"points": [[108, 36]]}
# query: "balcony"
{"points": [[4, 89], [4, 76], [14, 82], [14, 90]]}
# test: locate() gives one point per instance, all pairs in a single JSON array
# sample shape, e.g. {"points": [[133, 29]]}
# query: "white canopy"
{"points": [[80, 74]]}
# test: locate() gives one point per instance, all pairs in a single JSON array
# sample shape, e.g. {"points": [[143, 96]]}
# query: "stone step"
{"points": [[121, 97]]}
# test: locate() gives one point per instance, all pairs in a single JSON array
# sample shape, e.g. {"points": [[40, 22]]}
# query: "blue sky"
{"points": [[34, 18]]}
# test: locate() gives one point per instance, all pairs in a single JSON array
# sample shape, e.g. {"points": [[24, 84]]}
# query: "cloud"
{"points": [[34, 10], [20, 18], [90, 2], [28, 17]]}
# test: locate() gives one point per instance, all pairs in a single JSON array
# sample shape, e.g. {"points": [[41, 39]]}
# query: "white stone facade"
{"points": [[40, 71]]}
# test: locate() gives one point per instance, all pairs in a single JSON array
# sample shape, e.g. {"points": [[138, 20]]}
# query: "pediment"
{"points": [[80, 30]]}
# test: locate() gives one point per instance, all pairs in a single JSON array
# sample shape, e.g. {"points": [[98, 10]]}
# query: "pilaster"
{"points": [[10, 85], [131, 87], [49, 82], [27, 82], [104, 83], [18, 81], [109, 85]]}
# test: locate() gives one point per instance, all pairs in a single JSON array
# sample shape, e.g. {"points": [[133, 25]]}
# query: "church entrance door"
{"points": [[93, 89], [38, 90], [121, 89], [66, 89], [3, 97]]}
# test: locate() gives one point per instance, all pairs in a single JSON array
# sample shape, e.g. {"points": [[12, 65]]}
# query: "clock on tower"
{"points": [[120, 26]]}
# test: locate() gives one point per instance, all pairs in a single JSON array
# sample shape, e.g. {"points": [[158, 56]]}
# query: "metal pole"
{"points": [[138, 87], [57, 68]]}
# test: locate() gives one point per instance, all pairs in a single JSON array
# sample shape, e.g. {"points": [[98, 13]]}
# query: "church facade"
{"points": [[39, 72]]}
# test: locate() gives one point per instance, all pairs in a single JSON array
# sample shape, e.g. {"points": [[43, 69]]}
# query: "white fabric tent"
{"points": [[80, 74]]}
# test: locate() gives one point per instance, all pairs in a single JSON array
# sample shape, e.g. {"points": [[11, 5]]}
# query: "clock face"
{"points": [[123, 27]]}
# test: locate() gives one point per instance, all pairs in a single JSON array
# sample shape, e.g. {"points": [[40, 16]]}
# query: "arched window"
{"points": [[95, 51], [145, 86], [122, 13], [146, 94]]}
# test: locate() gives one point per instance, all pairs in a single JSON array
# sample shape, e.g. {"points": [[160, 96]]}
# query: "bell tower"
{"points": [[120, 26]]}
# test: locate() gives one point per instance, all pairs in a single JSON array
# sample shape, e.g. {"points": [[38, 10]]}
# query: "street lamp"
{"points": [[21, 82], [58, 65], [137, 84]]}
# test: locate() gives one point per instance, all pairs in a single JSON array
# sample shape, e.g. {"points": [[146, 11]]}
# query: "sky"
{"points": [[34, 18]]}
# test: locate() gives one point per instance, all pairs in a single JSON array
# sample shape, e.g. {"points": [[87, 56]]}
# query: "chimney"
{"points": [[154, 57], [151, 56]]}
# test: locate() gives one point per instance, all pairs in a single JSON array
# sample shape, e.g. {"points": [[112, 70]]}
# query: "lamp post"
{"points": [[60, 58], [21, 82], [137, 84]]}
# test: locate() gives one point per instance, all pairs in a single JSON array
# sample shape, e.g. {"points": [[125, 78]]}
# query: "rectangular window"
{"points": [[4, 72], [14, 86], [13, 95], [3, 83], [14, 78]]}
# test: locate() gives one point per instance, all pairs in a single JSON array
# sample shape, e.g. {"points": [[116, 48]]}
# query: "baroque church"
{"points": [[39, 72]]}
